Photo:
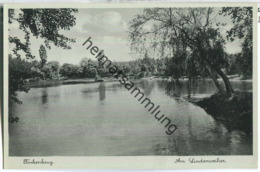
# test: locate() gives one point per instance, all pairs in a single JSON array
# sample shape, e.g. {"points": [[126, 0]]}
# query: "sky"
{"points": [[108, 31]]}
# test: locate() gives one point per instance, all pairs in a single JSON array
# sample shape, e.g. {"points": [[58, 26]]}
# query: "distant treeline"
{"points": [[88, 68]]}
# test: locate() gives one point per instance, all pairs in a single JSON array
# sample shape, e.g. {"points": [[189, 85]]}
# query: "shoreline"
{"points": [[234, 113], [56, 82]]}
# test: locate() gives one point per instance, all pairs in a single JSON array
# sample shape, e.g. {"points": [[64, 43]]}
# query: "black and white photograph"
{"points": [[138, 81]]}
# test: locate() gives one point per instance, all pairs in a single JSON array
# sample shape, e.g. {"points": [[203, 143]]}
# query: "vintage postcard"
{"points": [[130, 86]]}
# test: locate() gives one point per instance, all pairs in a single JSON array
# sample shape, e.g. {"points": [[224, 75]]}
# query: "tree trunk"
{"points": [[214, 78], [229, 88]]}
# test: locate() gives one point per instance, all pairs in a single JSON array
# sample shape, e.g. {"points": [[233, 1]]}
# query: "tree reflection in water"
{"points": [[102, 91], [178, 88], [44, 96]]}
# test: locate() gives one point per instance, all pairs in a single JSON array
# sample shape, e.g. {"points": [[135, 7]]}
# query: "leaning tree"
{"points": [[189, 33]]}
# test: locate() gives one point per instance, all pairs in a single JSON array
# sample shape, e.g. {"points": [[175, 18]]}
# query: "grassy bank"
{"points": [[235, 112]]}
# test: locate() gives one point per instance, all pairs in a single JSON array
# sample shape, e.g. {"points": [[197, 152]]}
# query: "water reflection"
{"points": [[103, 119], [199, 87], [174, 88], [102, 91], [147, 87], [44, 96]]}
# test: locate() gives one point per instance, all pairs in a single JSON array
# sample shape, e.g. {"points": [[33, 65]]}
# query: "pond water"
{"points": [[104, 119]]}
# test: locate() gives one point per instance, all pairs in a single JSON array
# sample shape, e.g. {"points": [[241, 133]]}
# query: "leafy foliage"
{"points": [[44, 24], [70, 70], [242, 29], [43, 55], [40, 23], [19, 70]]}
